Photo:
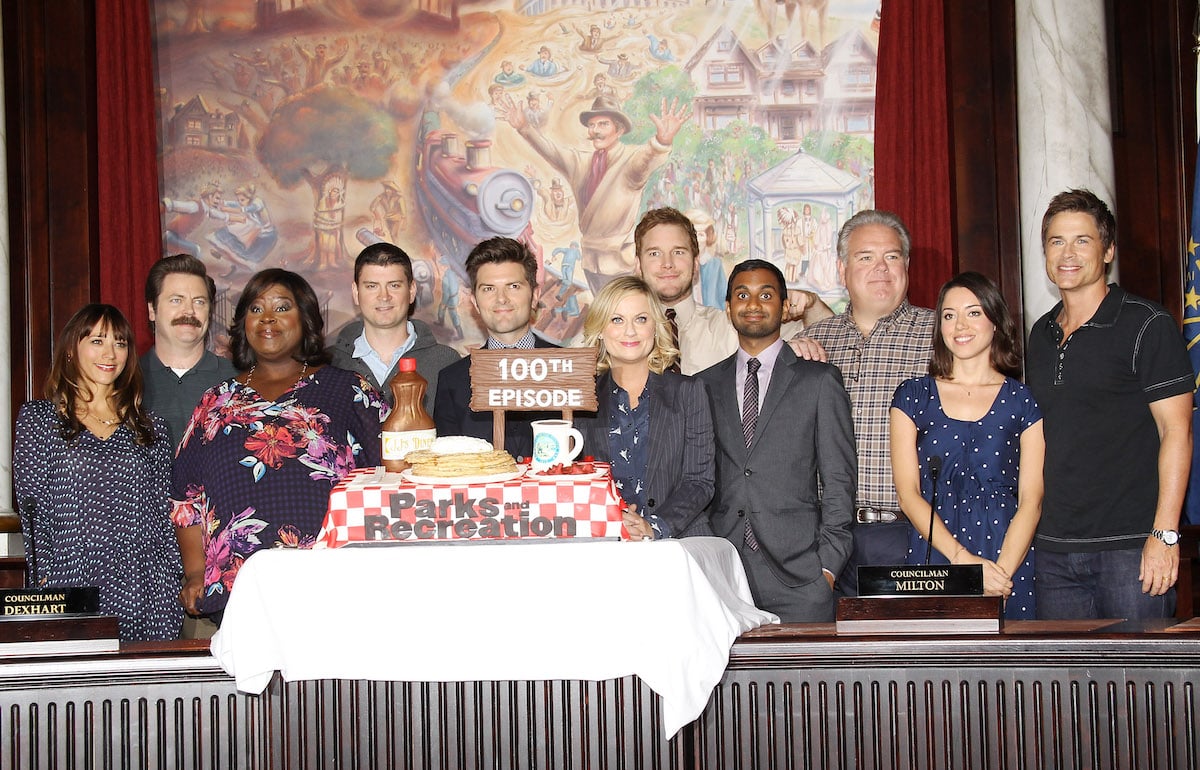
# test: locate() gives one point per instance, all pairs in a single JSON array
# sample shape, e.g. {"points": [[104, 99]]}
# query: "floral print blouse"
{"points": [[256, 473]]}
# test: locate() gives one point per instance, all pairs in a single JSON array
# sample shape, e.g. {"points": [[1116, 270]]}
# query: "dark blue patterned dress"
{"points": [[977, 488], [256, 473], [102, 518]]}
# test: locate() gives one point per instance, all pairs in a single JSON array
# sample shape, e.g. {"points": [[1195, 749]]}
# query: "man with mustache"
{"points": [[607, 181], [179, 368]]}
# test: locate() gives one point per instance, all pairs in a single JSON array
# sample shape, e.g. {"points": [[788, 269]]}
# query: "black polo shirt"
{"points": [[174, 398], [1102, 444]]}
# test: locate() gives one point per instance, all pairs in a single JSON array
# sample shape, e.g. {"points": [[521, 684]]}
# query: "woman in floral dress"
{"points": [[262, 451]]}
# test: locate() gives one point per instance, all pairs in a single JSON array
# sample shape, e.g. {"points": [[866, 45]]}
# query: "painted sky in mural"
{"points": [[293, 133]]}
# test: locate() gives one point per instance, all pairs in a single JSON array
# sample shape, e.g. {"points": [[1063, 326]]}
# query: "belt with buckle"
{"points": [[867, 515]]}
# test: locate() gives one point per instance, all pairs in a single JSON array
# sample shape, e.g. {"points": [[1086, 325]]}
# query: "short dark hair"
{"points": [[664, 216], [746, 266], [873, 217], [1083, 202], [177, 263], [498, 250], [312, 342], [1006, 342], [383, 254]]}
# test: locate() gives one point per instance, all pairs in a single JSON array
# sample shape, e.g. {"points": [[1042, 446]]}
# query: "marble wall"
{"points": [[1064, 122]]}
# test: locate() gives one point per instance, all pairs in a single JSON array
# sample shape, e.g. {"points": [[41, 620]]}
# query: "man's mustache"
{"points": [[187, 320]]}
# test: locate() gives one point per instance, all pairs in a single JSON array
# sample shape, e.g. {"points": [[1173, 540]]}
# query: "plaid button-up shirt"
{"points": [[899, 347]]}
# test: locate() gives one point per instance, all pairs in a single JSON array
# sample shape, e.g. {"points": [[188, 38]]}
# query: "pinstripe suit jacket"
{"points": [[679, 473], [804, 432]]}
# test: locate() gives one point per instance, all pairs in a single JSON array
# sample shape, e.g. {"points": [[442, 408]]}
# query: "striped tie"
{"points": [[749, 421], [750, 401]]}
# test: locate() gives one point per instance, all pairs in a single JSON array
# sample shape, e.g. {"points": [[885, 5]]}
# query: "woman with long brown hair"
{"points": [[92, 478]]}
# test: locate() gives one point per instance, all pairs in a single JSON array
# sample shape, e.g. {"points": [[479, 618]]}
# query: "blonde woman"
{"points": [[654, 426]]}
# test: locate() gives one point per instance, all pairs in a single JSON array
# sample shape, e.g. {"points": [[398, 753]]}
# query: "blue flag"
{"points": [[1191, 332]]}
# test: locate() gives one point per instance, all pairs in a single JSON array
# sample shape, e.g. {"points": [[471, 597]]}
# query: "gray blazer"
{"points": [[804, 432], [679, 473]]}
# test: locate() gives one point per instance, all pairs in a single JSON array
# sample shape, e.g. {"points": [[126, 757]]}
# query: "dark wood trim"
{"points": [[1153, 94], [981, 72], [50, 101]]}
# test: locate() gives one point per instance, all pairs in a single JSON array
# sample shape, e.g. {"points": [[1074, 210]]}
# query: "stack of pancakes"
{"points": [[459, 456]]}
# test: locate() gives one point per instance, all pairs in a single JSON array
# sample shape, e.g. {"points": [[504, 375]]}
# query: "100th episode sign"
{"points": [[537, 380]]}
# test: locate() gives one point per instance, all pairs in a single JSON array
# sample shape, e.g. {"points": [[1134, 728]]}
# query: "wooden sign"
{"points": [[535, 380]]}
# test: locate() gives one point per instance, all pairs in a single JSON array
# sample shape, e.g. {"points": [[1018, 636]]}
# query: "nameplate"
{"points": [[921, 580], [25, 603]]}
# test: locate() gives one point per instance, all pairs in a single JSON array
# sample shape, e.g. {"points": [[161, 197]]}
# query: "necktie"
{"points": [[749, 421], [674, 339], [595, 174], [750, 400]]}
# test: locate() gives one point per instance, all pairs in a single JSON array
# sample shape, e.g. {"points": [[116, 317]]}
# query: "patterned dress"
{"points": [[977, 487], [101, 518], [256, 473]]}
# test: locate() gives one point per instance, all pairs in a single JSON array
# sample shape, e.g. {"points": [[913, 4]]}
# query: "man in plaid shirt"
{"points": [[877, 343]]}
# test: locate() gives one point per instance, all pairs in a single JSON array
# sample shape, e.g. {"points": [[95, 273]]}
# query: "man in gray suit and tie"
{"points": [[781, 423]]}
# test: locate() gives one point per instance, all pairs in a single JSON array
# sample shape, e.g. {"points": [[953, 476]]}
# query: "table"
{"points": [[667, 611]]}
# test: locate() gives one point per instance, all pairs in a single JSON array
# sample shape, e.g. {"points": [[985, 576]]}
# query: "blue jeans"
{"points": [[1105, 584]]}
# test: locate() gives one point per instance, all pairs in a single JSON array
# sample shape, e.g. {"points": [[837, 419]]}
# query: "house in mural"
{"points": [[195, 124], [848, 103], [786, 92]]}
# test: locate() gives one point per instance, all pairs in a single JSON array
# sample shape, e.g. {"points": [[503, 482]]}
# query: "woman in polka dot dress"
{"points": [[987, 429], [92, 476]]}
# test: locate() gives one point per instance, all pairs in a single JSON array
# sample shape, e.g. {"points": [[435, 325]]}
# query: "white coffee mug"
{"points": [[554, 441]]}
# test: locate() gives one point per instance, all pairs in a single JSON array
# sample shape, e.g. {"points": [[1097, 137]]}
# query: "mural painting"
{"points": [[293, 133]]}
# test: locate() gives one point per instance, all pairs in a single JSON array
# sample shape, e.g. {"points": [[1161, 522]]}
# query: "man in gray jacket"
{"points": [[385, 295]]}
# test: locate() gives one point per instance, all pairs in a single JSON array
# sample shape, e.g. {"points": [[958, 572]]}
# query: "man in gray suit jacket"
{"points": [[781, 423]]}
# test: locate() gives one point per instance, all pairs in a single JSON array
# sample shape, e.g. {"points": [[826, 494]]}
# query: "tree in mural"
{"points": [[325, 137]]}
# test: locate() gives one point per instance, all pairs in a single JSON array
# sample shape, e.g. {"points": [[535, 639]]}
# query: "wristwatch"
{"points": [[1168, 536]]}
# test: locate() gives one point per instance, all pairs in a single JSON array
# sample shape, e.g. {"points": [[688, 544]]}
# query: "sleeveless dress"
{"points": [[977, 486]]}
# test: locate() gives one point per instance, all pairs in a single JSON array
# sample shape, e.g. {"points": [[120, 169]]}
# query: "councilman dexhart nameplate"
{"points": [[32, 602], [921, 580]]}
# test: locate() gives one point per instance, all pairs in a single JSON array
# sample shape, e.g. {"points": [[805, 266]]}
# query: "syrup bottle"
{"points": [[409, 426]]}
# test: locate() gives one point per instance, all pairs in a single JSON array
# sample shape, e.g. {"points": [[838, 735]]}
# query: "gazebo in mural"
{"points": [[795, 212]]}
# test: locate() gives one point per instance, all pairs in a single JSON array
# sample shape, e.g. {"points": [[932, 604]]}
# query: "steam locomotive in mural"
{"points": [[464, 199]]}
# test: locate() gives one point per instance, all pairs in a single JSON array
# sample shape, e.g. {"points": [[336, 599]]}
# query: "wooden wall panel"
{"points": [[50, 88], [1153, 90], [982, 75]]}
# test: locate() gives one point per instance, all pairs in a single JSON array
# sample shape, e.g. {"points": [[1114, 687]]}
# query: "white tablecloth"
{"points": [[667, 611]]}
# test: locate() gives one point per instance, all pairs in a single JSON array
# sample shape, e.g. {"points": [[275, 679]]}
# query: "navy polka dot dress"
{"points": [[103, 518], [977, 488]]}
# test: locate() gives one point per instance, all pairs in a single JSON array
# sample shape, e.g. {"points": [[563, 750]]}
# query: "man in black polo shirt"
{"points": [[1112, 376]]}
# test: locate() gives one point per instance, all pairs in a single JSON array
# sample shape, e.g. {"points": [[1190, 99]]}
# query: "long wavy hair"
{"points": [[664, 353], [65, 385], [312, 325], [1005, 354]]}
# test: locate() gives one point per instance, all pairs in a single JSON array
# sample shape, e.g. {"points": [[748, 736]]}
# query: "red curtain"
{"points": [[912, 138], [127, 162]]}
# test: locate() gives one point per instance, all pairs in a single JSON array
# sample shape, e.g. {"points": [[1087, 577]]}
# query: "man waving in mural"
{"points": [[607, 181]]}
